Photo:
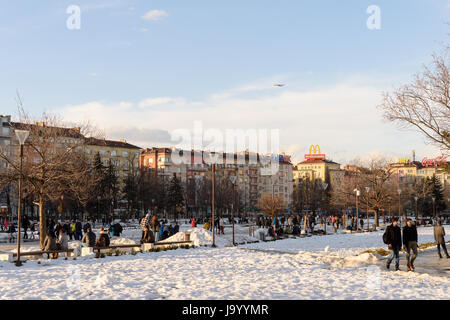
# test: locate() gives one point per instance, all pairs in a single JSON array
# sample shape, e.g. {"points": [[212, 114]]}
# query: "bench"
{"points": [[40, 252], [143, 247]]}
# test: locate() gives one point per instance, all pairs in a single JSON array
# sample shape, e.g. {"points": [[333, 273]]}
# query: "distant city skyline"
{"points": [[140, 69]]}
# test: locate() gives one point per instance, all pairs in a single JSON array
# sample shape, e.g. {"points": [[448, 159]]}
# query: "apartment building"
{"points": [[124, 156]]}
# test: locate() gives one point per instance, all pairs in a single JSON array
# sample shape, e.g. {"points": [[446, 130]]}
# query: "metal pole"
{"points": [[367, 208], [232, 213], [417, 212], [212, 205], [357, 214], [18, 263]]}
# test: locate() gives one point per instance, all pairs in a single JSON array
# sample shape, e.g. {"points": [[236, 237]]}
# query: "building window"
{"points": [[125, 154], [113, 153]]}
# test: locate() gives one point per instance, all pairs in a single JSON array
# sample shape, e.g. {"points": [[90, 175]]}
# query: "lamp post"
{"points": [[233, 181], [417, 212], [399, 204], [367, 207], [324, 187], [357, 214], [213, 169], [21, 135], [434, 207]]}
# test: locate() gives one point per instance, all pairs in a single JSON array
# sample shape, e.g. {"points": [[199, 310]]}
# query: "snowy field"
{"points": [[318, 267]]}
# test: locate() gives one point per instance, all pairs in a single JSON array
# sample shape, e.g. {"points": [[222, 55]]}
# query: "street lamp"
{"points": [[399, 204], [434, 207], [367, 207], [21, 135], [417, 212], [213, 169], [324, 187], [233, 181], [357, 215]]}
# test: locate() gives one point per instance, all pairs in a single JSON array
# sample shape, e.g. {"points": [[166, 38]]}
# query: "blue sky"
{"points": [[209, 59]]}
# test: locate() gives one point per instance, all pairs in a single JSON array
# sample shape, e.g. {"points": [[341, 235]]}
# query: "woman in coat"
{"points": [[50, 244], [63, 240]]}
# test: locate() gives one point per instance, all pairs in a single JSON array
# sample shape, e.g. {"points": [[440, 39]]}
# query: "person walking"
{"points": [[393, 238], [410, 243], [25, 225], [439, 237]]}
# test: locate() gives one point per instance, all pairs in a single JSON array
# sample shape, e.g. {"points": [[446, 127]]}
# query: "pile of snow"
{"points": [[356, 261], [199, 237], [120, 241]]}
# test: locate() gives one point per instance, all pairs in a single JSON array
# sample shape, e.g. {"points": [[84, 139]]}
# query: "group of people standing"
{"points": [[154, 230]]}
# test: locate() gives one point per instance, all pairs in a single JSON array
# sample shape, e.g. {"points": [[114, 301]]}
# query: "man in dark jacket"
{"points": [[78, 230], [117, 229], [25, 225], [410, 243], [394, 241], [103, 239], [89, 238], [439, 234]]}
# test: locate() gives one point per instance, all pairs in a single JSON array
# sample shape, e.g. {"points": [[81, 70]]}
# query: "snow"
{"points": [[317, 267]]}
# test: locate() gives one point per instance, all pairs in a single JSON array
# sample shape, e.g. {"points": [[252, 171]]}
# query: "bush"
{"points": [[97, 255], [102, 255], [109, 253], [133, 253], [117, 253]]}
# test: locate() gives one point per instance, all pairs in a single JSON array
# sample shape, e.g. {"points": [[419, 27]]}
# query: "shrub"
{"points": [[117, 253], [97, 255], [102, 255], [109, 253]]}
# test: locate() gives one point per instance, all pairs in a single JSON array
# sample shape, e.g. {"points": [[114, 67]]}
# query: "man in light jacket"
{"points": [[439, 234]]}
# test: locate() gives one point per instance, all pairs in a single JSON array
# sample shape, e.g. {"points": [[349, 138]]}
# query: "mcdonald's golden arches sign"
{"points": [[314, 153]]}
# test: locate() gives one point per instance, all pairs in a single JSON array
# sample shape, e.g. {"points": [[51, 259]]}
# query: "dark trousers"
{"points": [[25, 234], [412, 245], [443, 248]]}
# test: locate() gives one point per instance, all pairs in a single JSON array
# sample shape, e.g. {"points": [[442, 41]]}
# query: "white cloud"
{"points": [[155, 15], [342, 119]]}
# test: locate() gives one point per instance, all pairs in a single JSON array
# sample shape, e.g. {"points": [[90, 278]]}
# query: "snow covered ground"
{"points": [[318, 267]]}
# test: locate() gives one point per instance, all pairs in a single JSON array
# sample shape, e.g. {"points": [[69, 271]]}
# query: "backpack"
{"points": [[385, 237]]}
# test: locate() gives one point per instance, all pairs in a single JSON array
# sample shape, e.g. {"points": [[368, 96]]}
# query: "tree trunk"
{"points": [[376, 218], [42, 221]]}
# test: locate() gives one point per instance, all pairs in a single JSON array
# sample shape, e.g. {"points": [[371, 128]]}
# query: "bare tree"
{"points": [[55, 164], [424, 104], [271, 205]]}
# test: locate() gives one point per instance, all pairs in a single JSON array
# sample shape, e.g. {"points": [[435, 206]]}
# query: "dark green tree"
{"points": [[175, 198]]}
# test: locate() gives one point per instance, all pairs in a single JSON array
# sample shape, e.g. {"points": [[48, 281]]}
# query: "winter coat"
{"points": [[144, 222], [409, 234], [78, 227], [117, 230], [103, 240], [394, 236], [89, 238], [63, 241], [49, 244], [86, 226], [148, 237], [439, 234]]}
